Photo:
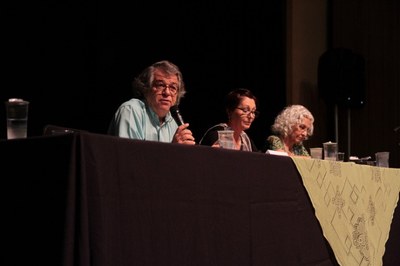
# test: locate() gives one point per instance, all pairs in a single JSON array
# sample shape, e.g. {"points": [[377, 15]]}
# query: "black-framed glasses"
{"points": [[247, 111], [161, 86]]}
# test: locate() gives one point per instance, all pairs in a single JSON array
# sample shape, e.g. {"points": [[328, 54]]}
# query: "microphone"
{"points": [[176, 115]]}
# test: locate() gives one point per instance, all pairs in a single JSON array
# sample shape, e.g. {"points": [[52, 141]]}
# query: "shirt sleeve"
{"points": [[274, 143], [128, 123]]}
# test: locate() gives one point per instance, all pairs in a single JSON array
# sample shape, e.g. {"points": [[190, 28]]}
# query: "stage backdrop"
{"points": [[75, 62]]}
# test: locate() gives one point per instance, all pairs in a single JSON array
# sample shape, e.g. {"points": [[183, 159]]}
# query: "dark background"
{"points": [[74, 62]]}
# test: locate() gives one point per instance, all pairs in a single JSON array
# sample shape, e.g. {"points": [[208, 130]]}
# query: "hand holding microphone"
{"points": [[183, 134]]}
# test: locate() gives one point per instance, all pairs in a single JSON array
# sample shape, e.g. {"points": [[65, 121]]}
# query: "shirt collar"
{"points": [[154, 116]]}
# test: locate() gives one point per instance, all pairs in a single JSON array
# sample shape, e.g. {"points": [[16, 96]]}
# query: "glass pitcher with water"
{"points": [[330, 151]]}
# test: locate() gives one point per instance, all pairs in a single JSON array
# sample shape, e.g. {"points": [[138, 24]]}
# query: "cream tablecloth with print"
{"points": [[354, 205]]}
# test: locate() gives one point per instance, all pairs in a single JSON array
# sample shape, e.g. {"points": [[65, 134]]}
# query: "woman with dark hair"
{"points": [[241, 110]]}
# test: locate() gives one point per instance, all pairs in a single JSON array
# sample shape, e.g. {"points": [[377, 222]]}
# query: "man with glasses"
{"points": [[147, 116], [241, 109]]}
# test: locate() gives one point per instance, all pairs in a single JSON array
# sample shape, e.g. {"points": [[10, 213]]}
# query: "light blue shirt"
{"points": [[136, 120]]}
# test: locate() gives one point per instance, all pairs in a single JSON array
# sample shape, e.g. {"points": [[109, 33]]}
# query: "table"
{"points": [[91, 199]]}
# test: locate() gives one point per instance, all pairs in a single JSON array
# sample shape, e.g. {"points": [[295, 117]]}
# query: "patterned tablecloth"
{"points": [[354, 205]]}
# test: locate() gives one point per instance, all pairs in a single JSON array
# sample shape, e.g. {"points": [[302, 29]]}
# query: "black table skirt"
{"points": [[89, 199]]}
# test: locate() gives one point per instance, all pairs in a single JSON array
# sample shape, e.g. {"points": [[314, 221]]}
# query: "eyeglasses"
{"points": [[247, 111], [161, 86], [303, 127]]}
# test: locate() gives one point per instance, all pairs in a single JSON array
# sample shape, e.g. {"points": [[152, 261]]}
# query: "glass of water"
{"points": [[17, 118]]}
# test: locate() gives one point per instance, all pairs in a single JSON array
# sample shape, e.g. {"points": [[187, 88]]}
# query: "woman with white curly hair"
{"points": [[292, 126]]}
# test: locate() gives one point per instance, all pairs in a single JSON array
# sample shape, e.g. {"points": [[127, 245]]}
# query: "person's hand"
{"points": [[291, 154], [216, 145], [285, 151], [183, 135]]}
